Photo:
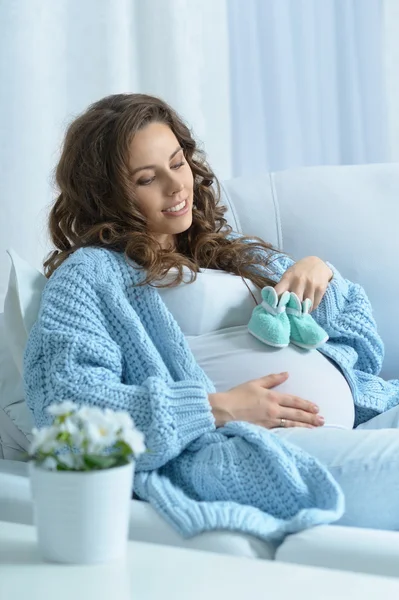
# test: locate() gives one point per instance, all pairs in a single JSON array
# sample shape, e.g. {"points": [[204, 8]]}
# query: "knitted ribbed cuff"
{"points": [[191, 410]]}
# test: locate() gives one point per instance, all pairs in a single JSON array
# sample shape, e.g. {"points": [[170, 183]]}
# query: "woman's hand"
{"points": [[256, 402], [308, 278]]}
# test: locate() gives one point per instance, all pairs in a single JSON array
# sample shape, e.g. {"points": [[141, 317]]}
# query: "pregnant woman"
{"points": [[146, 309]]}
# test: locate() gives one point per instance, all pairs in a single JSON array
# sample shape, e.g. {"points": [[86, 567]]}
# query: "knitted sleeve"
{"points": [[345, 313], [71, 356]]}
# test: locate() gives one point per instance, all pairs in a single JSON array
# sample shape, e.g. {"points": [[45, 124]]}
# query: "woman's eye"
{"points": [[145, 181], [178, 165], [149, 181]]}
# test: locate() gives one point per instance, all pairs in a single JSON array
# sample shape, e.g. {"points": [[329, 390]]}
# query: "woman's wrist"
{"points": [[331, 271], [220, 414]]}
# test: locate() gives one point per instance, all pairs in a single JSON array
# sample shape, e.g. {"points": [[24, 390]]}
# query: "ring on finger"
{"points": [[283, 422]]}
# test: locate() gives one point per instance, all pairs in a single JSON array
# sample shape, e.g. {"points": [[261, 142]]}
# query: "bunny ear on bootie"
{"points": [[307, 306], [298, 308], [294, 306], [284, 299], [269, 322], [305, 332], [269, 295]]}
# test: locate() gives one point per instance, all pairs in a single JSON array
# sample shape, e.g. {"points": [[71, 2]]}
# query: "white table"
{"points": [[153, 572]]}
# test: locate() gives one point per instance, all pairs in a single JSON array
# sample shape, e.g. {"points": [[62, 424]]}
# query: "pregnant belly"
{"points": [[232, 356]]}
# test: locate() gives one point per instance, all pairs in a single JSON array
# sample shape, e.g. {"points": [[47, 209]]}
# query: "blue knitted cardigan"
{"points": [[99, 340]]}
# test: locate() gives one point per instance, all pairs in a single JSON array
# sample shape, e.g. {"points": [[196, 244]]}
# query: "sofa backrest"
{"points": [[348, 215]]}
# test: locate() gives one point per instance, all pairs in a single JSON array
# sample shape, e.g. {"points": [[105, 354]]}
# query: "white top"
{"points": [[215, 300], [213, 313], [155, 572]]}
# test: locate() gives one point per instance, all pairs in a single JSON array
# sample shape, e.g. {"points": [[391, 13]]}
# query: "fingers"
{"points": [[282, 286], [318, 296], [288, 401], [298, 412], [309, 292], [297, 284], [300, 418], [302, 288], [288, 424], [315, 294], [291, 283], [270, 381]]}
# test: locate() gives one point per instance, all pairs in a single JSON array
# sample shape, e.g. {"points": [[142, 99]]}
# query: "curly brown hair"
{"points": [[95, 206]]}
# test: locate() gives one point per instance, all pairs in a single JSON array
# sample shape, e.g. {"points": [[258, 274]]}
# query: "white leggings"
{"points": [[364, 461]]}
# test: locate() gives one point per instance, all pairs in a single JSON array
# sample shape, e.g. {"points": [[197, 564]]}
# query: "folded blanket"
{"points": [[243, 477]]}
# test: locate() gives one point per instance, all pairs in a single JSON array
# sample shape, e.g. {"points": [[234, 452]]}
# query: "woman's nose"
{"points": [[173, 183], [175, 186]]}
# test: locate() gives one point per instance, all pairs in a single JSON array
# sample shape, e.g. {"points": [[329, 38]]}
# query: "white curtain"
{"points": [[307, 83], [391, 67], [58, 56], [265, 84]]}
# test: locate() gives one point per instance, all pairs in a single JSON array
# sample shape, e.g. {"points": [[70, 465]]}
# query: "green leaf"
{"points": [[62, 467], [123, 447], [99, 461], [41, 456], [64, 436]]}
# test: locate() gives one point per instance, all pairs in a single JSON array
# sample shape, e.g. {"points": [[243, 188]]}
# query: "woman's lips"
{"points": [[178, 213]]}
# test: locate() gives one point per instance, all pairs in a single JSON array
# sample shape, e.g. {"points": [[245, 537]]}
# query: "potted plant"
{"points": [[81, 473]]}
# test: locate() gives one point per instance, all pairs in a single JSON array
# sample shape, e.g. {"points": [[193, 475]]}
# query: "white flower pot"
{"points": [[82, 517]]}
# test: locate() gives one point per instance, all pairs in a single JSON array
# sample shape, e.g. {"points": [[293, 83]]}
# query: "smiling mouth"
{"points": [[177, 207]]}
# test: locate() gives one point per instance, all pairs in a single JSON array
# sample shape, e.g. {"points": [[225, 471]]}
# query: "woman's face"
{"points": [[163, 182]]}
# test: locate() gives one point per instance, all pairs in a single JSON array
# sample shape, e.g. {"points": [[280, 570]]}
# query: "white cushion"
{"points": [[21, 305], [20, 312], [253, 207], [145, 524], [344, 548], [345, 214], [349, 215], [16, 421]]}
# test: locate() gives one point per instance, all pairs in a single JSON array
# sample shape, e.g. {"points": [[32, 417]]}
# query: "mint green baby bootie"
{"points": [[269, 322], [305, 332]]}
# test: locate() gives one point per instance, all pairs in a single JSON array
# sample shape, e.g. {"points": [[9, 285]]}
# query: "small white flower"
{"points": [[90, 430], [71, 426], [44, 440], [62, 408], [124, 420], [89, 413], [49, 463], [99, 436], [135, 439]]}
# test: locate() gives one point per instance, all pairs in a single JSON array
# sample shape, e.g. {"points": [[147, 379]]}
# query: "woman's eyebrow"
{"points": [[153, 166]]}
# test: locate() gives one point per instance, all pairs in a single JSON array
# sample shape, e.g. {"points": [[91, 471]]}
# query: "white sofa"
{"points": [[347, 215]]}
